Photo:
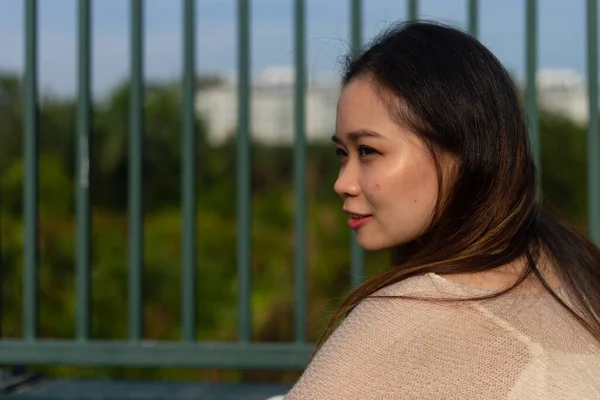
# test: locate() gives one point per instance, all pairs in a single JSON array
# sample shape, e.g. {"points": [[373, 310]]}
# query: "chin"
{"points": [[368, 244]]}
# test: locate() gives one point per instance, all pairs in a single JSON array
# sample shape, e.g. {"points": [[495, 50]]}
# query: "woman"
{"points": [[491, 297]]}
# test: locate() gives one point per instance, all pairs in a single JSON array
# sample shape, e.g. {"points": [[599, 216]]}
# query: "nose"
{"points": [[346, 185]]}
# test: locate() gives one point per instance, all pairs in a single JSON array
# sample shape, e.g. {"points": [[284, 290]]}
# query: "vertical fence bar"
{"points": [[82, 169], [300, 172], [356, 252], [244, 233], [473, 13], [136, 116], [531, 71], [593, 134], [413, 10], [30, 125], [188, 282]]}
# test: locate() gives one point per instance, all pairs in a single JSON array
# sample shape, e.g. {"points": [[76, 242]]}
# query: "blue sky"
{"points": [[561, 31]]}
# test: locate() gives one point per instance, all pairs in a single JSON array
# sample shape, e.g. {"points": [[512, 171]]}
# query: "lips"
{"points": [[357, 221], [353, 215]]}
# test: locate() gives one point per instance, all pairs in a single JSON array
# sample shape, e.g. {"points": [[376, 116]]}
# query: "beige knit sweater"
{"points": [[519, 346]]}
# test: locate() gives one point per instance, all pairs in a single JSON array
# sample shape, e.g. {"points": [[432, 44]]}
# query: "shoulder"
{"points": [[408, 342], [403, 309]]}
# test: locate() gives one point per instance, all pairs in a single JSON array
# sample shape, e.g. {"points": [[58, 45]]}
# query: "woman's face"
{"points": [[387, 180]]}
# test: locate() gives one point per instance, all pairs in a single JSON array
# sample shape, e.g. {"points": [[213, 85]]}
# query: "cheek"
{"points": [[413, 188], [374, 190], [421, 187], [413, 185]]}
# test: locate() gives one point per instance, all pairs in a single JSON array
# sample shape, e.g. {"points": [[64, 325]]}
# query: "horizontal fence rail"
{"points": [[244, 353]]}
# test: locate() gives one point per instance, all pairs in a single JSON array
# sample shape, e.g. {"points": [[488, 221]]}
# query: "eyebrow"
{"points": [[355, 135]]}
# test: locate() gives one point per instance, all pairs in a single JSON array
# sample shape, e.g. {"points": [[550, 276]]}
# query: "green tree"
{"points": [[564, 166]]}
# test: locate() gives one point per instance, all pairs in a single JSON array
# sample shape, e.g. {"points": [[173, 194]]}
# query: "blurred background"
{"points": [[272, 218]]}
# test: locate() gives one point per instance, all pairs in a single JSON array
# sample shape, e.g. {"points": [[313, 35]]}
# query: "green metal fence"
{"points": [[188, 352]]}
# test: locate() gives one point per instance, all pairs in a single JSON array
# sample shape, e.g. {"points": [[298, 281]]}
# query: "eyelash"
{"points": [[366, 150]]}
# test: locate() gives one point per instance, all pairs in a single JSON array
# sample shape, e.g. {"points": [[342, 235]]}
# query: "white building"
{"points": [[272, 105], [563, 91], [272, 109]]}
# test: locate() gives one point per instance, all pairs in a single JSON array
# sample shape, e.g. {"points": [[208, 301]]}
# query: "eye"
{"points": [[340, 153], [364, 151]]}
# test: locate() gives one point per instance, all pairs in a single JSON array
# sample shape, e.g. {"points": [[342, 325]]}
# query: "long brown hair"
{"points": [[453, 93]]}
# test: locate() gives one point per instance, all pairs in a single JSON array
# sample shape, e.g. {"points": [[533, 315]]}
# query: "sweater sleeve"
{"points": [[402, 348]]}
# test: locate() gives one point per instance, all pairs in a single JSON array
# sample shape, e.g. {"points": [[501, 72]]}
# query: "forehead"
{"points": [[360, 108], [360, 95]]}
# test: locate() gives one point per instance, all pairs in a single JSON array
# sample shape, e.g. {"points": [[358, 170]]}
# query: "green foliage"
{"points": [[273, 203], [564, 167], [10, 118]]}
